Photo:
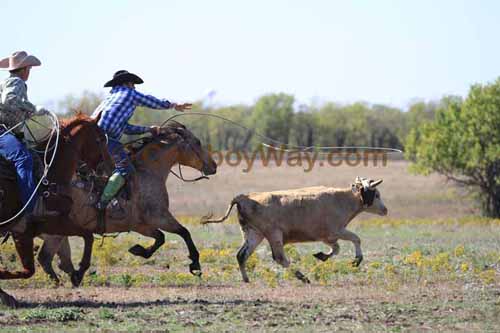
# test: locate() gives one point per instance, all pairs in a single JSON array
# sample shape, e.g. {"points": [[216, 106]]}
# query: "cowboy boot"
{"points": [[113, 186]]}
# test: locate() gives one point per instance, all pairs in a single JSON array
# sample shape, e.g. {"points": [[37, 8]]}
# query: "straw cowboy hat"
{"points": [[122, 77], [18, 60]]}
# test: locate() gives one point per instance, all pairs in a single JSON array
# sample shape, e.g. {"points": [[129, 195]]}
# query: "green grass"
{"points": [[417, 274]]}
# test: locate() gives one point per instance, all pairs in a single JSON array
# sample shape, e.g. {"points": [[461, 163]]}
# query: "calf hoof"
{"points": [[195, 269], [138, 250], [8, 301], [302, 277], [357, 261], [321, 256], [76, 278]]}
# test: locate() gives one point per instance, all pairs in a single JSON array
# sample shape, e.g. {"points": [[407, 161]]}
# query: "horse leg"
{"points": [[139, 250], [50, 246], [64, 254], [24, 248], [77, 276], [168, 223], [8, 300]]}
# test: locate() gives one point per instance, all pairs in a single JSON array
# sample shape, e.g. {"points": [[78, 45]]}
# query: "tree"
{"points": [[463, 143], [303, 129], [86, 103], [273, 116]]}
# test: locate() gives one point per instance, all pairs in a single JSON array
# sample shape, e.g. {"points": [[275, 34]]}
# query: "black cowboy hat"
{"points": [[122, 77]]}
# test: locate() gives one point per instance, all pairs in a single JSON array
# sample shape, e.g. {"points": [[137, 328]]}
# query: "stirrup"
{"points": [[101, 217], [116, 211], [41, 211]]}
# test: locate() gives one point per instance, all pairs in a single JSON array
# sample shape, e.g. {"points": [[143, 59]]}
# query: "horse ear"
{"points": [[96, 119]]}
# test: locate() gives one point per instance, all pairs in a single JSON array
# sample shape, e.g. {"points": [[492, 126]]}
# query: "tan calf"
{"points": [[303, 215]]}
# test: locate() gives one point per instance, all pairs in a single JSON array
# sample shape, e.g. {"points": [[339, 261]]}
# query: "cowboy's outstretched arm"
{"points": [[151, 101], [156, 103]]}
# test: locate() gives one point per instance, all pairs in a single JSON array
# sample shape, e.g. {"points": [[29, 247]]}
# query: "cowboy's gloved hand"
{"points": [[155, 130], [41, 111], [182, 107]]}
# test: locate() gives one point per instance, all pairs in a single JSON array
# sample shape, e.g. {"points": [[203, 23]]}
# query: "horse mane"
{"points": [[136, 146], [66, 125], [78, 119], [174, 124]]}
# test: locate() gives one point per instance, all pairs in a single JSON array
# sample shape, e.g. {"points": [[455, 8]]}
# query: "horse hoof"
{"points": [[8, 300], [55, 280], [195, 269], [302, 277], [139, 251], [76, 279], [357, 261], [321, 256]]}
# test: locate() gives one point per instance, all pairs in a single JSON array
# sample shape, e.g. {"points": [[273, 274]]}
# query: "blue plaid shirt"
{"points": [[119, 106]]}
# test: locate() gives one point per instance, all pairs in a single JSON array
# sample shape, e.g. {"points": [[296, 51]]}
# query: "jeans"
{"points": [[16, 152], [123, 165]]}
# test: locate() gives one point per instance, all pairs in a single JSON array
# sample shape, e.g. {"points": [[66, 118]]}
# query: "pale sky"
{"points": [[377, 51]]}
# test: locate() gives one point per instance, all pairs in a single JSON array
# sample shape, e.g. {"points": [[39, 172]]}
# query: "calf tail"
{"points": [[208, 218]]}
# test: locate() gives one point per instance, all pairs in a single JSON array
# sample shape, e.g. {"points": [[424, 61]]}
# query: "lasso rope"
{"points": [[279, 143], [47, 163]]}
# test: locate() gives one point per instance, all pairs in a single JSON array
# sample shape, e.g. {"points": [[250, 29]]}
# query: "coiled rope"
{"points": [[47, 163]]}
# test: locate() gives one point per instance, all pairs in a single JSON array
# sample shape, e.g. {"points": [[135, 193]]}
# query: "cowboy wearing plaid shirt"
{"points": [[116, 110], [15, 108]]}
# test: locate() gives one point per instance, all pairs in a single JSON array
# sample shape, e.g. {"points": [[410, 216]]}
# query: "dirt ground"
{"points": [[244, 307], [429, 266]]}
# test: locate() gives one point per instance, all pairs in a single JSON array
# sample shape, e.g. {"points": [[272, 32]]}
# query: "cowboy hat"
{"points": [[122, 77], [18, 60]]}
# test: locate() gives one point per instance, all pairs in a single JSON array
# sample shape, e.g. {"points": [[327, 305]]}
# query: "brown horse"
{"points": [[147, 209], [80, 139]]}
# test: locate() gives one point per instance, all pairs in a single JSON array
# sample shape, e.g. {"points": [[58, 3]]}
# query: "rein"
{"points": [[178, 175], [181, 177]]}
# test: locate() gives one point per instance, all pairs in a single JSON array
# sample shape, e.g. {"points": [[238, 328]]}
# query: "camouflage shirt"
{"points": [[14, 104]]}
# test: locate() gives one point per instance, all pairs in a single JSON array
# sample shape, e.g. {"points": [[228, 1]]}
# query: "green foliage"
{"points": [[463, 143], [60, 315], [273, 116], [86, 103]]}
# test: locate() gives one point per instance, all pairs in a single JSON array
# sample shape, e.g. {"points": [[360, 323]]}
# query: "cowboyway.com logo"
{"points": [[307, 160]]}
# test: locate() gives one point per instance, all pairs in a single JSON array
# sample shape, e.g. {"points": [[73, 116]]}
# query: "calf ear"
{"points": [[375, 183]]}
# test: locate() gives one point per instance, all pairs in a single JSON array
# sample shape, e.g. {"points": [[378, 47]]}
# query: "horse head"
{"points": [[179, 145], [84, 137]]}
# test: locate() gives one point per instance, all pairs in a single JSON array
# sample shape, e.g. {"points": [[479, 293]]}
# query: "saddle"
{"points": [[94, 182], [56, 198]]}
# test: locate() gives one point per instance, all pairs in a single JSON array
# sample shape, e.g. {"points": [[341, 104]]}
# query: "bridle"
{"points": [[181, 177]]}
